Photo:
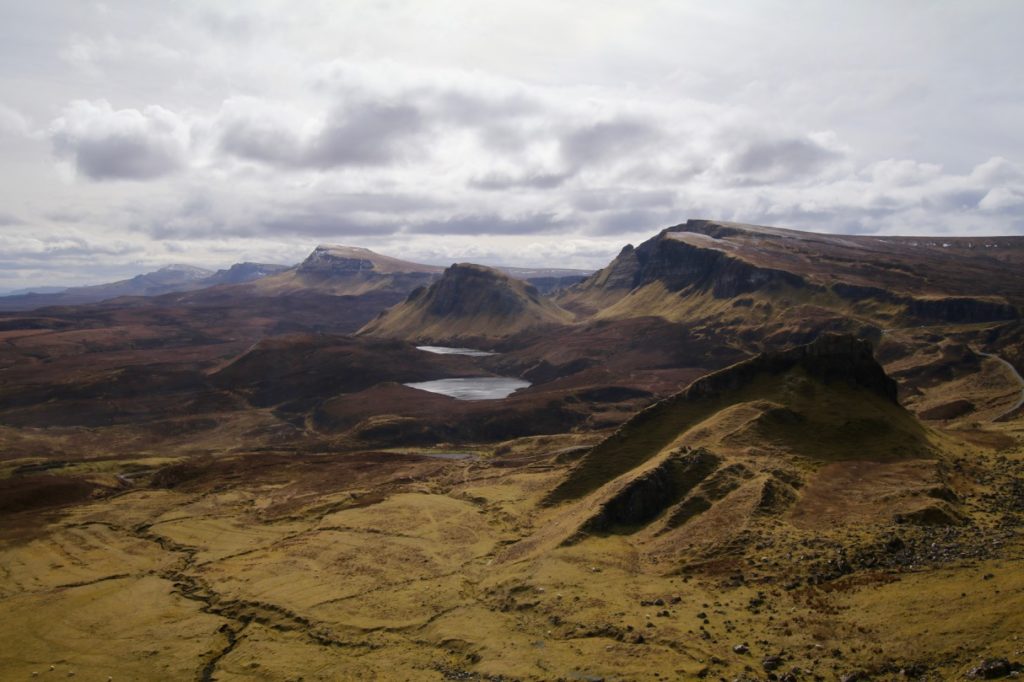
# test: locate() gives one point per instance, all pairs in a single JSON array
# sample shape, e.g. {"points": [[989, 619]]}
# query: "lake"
{"points": [[473, 388], [447, 350]]}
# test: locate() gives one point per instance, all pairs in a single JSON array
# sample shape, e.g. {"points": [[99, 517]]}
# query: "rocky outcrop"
{"points": [[831, 358], [468, 302], [960, 309], [350, 259], [649, 494], [678, 265]]}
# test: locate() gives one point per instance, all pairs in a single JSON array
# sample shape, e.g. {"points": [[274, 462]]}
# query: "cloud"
{"points": [[13, 122], [391, 126], [530, 180], [491, 224], [368, 133], [778, 160], [7, 219], [608, 141], [125, 144], [903, 172], [354, 133], [1003, 200]]}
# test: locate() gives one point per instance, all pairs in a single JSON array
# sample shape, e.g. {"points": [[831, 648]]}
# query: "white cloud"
{"points": [[126, 144]]}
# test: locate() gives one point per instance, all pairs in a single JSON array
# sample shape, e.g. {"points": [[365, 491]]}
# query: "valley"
{"points": [[734, 453]]}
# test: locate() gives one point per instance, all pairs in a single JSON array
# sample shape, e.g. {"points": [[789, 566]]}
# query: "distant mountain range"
{"points": [[168, 279], [329, 269]]}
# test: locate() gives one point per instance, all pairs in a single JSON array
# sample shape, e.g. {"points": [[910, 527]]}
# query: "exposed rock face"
{"points": [[467, 289], [961, 309], [678, 265], [349, 271], [321, 260], [832, 357], [892, 281], [349, 259], [468, 302], [240, 273], [651, 493]]}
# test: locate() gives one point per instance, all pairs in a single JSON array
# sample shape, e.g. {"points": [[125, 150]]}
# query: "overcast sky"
{"points": [[535, 132]]}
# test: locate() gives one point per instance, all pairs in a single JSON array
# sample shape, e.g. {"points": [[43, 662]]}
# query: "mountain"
{"points": [[239, 273], [468, 302], [168, 279], [700, 481], [762, 441], [34, 290], [703, 269], [353, 271], [349, 271]]}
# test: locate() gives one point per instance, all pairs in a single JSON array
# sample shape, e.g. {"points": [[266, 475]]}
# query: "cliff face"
{"points": [[467, 289], [901, 281], [830, 358], [960, 309], [678, 265], [350, 259], [468, 302]]}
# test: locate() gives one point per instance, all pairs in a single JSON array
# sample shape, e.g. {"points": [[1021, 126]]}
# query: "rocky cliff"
{"points": [[468, 302]]}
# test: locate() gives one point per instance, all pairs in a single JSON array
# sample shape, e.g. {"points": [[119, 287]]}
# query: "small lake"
{"points": [[474, 388], [447, 350]]}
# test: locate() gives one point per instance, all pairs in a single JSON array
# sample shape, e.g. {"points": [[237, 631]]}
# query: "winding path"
{"points": [[1016, 374]]}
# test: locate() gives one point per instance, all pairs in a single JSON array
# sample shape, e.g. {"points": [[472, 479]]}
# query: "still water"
{"points": [[474, 388], [447, 350]]}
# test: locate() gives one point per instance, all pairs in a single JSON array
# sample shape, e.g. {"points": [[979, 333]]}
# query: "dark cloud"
{"points": [[358, 134], [782, 160], [606, 198], [491, 224], [472, 109], [608, 141], [955, 200], [635, 220], [126, 144], [370, 134], [500, 181], [325, 226], [264, 141]]}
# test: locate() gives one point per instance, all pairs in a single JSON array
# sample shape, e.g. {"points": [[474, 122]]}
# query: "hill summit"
{"points": [[468, 302], [349, 271]]}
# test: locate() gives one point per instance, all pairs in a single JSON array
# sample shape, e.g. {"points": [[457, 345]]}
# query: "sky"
{"points": [[531, 133]]}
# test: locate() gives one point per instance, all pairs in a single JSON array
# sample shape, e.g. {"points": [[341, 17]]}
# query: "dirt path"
{"points": [[1016, 375]]}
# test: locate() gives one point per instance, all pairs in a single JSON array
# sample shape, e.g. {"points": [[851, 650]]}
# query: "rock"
{"points": [[994, 668], [770, 663], [741, 649], [894, 544], [855, 676]]}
